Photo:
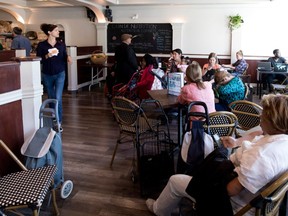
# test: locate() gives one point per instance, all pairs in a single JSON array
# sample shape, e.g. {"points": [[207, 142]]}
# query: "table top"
{"points": [[165, 99], [91, 64], [270, 72]]}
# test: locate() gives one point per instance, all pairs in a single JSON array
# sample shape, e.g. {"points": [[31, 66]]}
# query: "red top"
{"points": [[145, 82]]}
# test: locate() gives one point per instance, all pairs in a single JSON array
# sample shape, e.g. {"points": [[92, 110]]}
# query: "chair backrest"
{"points": [[130, 117], [222, 123], [248, 113], [126, 113], [245, 78], [267, 203], [245, 72], [155, 114]]}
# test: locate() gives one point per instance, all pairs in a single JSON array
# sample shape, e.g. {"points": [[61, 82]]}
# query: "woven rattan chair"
{"points": [[268, 202], [131, 120], [245, 72], [222, 123], [25, 189], [248, 114]]}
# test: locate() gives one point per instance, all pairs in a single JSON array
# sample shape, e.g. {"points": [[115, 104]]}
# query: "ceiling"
{"points": [[65, 3]]}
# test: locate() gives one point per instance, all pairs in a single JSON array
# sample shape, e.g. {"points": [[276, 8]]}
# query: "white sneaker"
{"points": [[149, 204]]}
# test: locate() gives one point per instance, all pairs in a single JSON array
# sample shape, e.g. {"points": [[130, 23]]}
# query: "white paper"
{"points": [[53, 51]]}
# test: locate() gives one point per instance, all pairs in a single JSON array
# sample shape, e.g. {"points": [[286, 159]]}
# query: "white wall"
{"points": [[79, 31], [205, 28]]}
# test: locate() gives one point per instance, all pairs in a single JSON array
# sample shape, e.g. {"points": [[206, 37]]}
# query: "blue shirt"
{"points": [[54, 64], [240, 65], [21, 42]]}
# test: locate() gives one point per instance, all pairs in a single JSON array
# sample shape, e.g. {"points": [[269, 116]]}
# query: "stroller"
{"points": [[127, 89], [45, 146]]}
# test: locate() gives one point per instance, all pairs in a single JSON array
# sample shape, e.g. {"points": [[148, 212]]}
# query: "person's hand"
{"points": [[69, 59], [228, 141]]}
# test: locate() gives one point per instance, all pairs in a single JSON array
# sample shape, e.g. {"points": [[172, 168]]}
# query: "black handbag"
{"points": [[208, 185]]}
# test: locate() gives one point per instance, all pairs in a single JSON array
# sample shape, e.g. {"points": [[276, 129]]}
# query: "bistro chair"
{"points": [[26, 188], [248, 114], [245, 72], [222, 123], [131, 121], [268, 202]]}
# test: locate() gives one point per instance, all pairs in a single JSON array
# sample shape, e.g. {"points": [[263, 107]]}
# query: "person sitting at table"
{"points": [[268, 78], [261, 157], [239, 66], [210, 67], [147, 78], [196, 89], [185, 61], [175, 60], [228, 88]]}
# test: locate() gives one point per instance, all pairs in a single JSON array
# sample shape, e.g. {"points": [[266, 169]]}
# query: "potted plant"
{"points": [[235, 22]]}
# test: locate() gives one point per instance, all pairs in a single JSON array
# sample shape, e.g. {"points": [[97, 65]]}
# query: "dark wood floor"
{"points": [[89, 136]]}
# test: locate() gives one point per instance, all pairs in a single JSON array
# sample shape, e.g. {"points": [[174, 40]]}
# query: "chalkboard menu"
{"points": [[148, 37]]}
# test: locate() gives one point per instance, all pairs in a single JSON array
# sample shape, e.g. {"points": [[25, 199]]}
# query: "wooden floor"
{"points": [[89, 136]]}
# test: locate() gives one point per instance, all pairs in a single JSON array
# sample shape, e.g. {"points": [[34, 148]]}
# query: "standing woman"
{"points": [[54, 60]]}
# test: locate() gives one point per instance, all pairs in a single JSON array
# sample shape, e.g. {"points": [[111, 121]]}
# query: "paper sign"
{"points": [[175, 83]]}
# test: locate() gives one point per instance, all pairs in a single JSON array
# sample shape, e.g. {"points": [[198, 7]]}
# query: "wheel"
{"points": [[66, 189]]}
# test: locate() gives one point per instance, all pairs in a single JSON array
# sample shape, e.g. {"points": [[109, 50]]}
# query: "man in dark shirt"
{"points": [[268, 78], [20, 42], [125, 59]]}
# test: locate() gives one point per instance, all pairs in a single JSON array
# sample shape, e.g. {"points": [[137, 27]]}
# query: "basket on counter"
{"points": [[98, 57]]}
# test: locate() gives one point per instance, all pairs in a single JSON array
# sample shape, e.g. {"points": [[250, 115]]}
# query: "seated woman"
{"points": [[210, 67], [175, 60], [228, 89], [239, 66], [147, 78], [185, 61], [196, 89], [260, 158]]}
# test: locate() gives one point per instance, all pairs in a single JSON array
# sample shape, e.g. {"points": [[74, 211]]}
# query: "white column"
{"points": [[32, 92], [236, 43], [72, 69], [177, 35], [101, 29]]}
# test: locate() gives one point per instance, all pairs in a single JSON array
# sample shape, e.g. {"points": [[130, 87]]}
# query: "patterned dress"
{"points": [[232, 91]]}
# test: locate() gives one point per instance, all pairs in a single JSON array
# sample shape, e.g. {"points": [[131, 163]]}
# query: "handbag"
{"points": [[208, 185], [196, 145]]}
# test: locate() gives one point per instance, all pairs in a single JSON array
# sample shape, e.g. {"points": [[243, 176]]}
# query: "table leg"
{"points": [[260, 85], [180, 124], [92, 77]]}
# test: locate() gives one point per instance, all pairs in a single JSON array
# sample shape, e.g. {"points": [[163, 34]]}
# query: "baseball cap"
{"points": [[125, 37]]}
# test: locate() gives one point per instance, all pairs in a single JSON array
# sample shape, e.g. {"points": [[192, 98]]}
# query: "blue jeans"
{"points": [[54, 85]]}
